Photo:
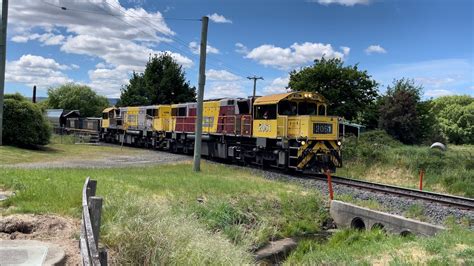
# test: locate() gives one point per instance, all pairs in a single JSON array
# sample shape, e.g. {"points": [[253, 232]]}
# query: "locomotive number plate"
{"points": [[322, 128]]}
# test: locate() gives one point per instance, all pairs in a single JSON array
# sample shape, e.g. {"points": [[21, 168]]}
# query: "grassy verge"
{"points": [[61, 148], [349, 247], [377, 157], [170, 214]]}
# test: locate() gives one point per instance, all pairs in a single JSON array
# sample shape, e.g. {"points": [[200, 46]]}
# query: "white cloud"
{"points": [[224, 90], [375, 49], [241, 49], [435, 82], [277, 85], [438, 93], [46, 38], [221, 75], [122, 46], [345, 50], [293, 56], [36, 70], [343, 2], [216, 18], [195, 48]]}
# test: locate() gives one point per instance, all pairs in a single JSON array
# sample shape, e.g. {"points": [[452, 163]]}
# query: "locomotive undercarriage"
{"points": [[277, 153]]}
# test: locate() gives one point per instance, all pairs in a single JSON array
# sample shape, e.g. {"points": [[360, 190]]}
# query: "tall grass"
{"points": [[376, 153], [170, 214]]}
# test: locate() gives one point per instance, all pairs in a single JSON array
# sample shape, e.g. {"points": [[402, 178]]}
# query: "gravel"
{"points": [[145, 157], [434, 213]]}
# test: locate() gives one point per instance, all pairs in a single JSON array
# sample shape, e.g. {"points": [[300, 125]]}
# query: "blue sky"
{"points": [[100, 42]]}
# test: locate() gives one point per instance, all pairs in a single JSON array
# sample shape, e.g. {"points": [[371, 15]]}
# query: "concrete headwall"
{"points": [[347, 215]]}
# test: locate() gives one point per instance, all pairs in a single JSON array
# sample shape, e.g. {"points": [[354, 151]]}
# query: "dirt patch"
{"points": [[58, 230]]}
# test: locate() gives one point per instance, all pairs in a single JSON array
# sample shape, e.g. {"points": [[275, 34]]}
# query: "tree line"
{"points": [[352, 93]]}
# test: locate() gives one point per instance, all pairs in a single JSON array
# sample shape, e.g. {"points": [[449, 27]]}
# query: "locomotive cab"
{"points": [[300, 121]]}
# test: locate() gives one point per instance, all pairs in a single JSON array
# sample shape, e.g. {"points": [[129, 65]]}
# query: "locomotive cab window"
{"points": [[105, 115], [287, 108], [265, 111], [306, 108], [322, 110]]}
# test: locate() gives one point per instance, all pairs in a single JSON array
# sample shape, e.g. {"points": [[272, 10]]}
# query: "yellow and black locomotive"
{"points": [[287, 131]]}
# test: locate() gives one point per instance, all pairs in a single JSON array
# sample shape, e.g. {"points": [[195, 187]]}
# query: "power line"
{"points": [[147, 23], [184, 43], [112, 15]]}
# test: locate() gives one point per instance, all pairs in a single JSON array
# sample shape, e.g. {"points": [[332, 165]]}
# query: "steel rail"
{"points": [[445, 199]]}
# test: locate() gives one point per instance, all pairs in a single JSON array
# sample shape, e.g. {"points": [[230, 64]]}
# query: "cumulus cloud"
{"points": [[278, 85], [342, 2], [36, 70], [375, 49], [438, 93], [123, 46], [195, 48], [216, 18], [293, 56], [221, 75], [224, 90]]}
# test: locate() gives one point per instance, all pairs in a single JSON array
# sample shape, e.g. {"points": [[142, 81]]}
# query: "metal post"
{"points": [[33, 99], [3, 57], [254, 91], [331, 192], [200, 96]]}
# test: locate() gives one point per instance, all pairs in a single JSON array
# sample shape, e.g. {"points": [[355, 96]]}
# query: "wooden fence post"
{"points": [[95, 209]]}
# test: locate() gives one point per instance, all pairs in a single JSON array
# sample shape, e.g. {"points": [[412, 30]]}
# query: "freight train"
{"points": [[286, 131]]}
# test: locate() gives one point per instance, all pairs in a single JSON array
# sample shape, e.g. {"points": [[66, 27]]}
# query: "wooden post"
{"points": [[422, 173], [95, 209], [331, 193], [91, 188]]}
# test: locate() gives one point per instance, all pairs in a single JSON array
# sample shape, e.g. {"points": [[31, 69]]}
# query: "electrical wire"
{"points": [[216, 62]]}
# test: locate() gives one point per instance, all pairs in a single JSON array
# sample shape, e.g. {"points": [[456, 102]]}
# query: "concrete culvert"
{"points": [[378, 226], [406, 233], [358, 223]]}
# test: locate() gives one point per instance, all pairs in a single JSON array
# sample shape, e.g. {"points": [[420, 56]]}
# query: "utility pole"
{"points": [[200, 96], [3, 57], [255, 78]]}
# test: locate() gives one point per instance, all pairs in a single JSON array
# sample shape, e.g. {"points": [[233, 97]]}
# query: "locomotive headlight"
{"points": [[339, 143], [303, 143]]}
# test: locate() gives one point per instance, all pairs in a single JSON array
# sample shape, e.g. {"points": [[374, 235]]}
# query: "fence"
{"points": [[90, 226]]}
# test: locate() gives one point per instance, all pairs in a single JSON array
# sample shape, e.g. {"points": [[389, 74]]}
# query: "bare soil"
{"points": [[58, 230]]}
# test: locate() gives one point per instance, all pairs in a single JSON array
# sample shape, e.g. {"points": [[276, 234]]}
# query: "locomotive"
{"points": [[286, 131]]}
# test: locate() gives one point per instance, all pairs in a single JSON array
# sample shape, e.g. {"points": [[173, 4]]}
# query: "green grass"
{"points": [[60, 148], [377, 157], [349, 247], [150, 210]]}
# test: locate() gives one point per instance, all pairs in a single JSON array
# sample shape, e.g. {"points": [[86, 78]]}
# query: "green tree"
{"points": [[455, 115], [72, 96], [163, 82], [24, 123], [399, 112], [349, 90]]}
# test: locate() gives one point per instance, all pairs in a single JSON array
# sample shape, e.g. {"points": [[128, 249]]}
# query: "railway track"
{"points": [[450, 200]]}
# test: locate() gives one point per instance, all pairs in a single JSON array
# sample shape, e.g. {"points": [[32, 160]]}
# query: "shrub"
{"points": [[370, 147], [24, 123]]}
